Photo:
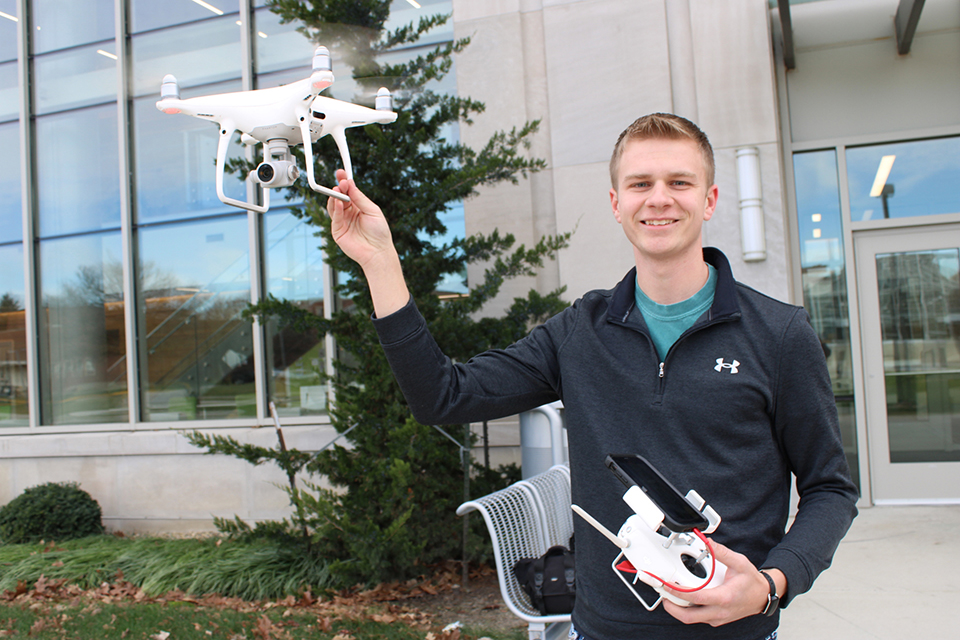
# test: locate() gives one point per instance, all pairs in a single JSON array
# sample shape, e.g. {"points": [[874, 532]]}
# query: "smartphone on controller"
{"points": [[634, 470]]}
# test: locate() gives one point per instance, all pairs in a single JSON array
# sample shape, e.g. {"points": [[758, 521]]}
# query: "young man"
{"points": [[723, 389]]}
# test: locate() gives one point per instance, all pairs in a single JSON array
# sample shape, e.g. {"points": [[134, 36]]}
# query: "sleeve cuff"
{"points": [[400, 325]]}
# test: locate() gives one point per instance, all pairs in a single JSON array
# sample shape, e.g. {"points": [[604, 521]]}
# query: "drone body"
{"points": [[278, 118]]}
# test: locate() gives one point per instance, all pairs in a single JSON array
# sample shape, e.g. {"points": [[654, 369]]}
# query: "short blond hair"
{"points": [[663, 126]]}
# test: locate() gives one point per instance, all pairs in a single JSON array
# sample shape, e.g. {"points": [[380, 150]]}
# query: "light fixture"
{"points": [[261, 34], [816, 233], [9, 17], [107, 54], [816, 217], [883, 172], [752, 239], [209, 7], [416, 5]]}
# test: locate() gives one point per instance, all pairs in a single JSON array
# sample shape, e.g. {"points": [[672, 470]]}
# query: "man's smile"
{"points": [[657, 223]]}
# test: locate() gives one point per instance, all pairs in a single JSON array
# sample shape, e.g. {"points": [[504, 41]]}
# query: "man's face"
{"points": [[662, 198]]}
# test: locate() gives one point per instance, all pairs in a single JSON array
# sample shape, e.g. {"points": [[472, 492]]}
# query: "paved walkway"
{"points": [[896, 576]]}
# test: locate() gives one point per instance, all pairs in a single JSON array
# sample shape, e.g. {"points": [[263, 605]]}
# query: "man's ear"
{"points": [[615, 205], [713, 194]]}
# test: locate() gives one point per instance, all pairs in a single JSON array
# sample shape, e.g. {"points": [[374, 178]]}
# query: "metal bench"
{"points": [[524, 520]]}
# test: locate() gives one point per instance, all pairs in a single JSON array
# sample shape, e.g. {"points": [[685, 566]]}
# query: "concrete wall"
{"points": [[148, 481], [587, 69]]}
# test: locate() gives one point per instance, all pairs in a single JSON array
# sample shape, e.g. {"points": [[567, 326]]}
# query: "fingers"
{"points": [[736, 598]]}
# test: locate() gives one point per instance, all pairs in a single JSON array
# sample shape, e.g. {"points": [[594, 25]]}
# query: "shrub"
{"points": [[51, 511]]}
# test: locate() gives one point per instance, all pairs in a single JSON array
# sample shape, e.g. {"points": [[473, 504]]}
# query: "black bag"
{"points": [[549, 580]]}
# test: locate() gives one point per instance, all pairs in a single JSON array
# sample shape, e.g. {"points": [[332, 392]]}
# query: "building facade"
{"points": [[836, 126]]}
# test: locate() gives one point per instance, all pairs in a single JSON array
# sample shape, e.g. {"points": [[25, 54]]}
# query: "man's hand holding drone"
{"points": [[361, 231]]}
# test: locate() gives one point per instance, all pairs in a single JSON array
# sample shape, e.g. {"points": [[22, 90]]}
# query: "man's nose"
{"points": [[659, 195]]}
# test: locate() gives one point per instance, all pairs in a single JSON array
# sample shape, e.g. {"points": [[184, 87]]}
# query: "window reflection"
{"points": [[8, 30], [824, 278], [403, 13], [78, 174], [281, 46], [294, 270], [76, 78], [13, 339], [175, 156], [919, 293], [904, 179], [9, 92], [59, 25], [82, 347], [150, 14], [196, 356], [11, 225], [197, 54]]}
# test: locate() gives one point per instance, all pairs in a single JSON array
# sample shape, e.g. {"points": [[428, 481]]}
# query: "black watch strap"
{"points": [[773, 600]]}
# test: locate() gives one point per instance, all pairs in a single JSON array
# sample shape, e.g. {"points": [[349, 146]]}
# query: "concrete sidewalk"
{"points": [[896, 576]]}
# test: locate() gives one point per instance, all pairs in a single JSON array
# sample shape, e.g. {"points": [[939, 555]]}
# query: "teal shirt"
{"points": [[667, 322]]}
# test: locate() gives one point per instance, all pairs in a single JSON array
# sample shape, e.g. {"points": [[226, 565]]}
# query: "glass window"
{"points": [[904, 179], [78, 174], [76, 78], [150, 14], [8, 30], [280, 46], [919, 294], [175, 159], [82, 348], [294, 272], [197, 54], [453, 284], [403, 12], [196, 355], [824, 279], [11, 216], [13, 339], [9, 92], [59, 25]]}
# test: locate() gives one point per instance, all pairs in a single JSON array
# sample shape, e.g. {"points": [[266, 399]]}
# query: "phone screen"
{"points": [[678, 514]]}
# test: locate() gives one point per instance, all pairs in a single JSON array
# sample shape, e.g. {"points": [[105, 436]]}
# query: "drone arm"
{"points": [[226, 130], [308, 158]]}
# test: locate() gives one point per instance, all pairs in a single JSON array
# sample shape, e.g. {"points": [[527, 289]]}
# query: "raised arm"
{"points": [[360, 229]]}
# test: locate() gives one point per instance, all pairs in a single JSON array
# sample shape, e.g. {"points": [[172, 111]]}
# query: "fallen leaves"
{"points": [[386, 603]]}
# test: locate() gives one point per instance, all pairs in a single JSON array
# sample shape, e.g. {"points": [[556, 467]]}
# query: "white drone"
{"points": [[277, 118]]}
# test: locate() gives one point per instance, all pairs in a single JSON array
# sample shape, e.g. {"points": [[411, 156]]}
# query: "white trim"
{"points": [[128, 248], [30, 301], [905, 135], [919, 502]]}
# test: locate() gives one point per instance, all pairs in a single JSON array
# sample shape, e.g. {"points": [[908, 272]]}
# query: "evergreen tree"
{"points": [[402, 481]]}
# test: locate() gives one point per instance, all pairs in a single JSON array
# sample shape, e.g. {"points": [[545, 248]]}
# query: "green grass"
{"points": [[254, 578], [181, 621], [252, 571]]}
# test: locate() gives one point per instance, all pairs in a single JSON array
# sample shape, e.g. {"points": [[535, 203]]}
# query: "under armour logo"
{"points": [[721, 365]]}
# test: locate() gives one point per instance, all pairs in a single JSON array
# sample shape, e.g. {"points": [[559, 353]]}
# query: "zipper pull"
{"points": [[661, 369]]}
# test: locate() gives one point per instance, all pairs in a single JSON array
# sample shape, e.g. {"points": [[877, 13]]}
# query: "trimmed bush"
{"points": [[51, 511]]}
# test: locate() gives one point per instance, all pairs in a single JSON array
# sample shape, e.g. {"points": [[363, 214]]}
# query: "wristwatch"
{"points": [[773, 600]]}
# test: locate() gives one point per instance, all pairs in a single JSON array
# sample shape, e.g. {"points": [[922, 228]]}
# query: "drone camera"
{"points": [[276, 173]]}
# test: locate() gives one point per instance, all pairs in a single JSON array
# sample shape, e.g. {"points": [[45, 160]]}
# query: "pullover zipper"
{"points": [[661, 369]]}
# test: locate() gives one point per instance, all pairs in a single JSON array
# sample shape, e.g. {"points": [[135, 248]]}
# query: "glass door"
{"points": [[909, 288]]}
